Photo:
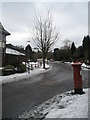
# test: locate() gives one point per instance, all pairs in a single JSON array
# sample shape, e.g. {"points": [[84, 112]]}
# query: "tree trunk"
{"points": [[44, 62]]}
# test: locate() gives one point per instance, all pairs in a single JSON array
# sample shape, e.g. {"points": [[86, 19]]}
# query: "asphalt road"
{"points": [[26, 94]]}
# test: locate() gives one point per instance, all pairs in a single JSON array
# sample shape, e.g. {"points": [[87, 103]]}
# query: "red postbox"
{"points": [[77, 78]]}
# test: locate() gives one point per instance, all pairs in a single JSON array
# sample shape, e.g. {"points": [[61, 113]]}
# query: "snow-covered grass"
{"points": [[64, 105], [21, 76]]}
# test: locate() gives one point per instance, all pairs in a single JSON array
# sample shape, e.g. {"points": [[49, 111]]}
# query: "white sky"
{"points": [[70, 19]]}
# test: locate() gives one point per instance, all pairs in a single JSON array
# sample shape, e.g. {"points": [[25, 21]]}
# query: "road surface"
{"points": [[26, 94]]}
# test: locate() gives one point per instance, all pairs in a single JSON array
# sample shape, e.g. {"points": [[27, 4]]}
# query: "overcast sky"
{"points": [[70, 19]]}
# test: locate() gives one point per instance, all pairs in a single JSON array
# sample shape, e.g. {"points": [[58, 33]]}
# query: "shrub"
{"points": [[7, 70], [21, 68]]}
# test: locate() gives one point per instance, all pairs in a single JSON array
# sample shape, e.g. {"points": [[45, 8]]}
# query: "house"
{"points": [[8, 55], [13, 55], [3, 34]]}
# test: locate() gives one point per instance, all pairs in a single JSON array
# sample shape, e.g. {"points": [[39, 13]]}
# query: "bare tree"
{"points": [[45, 34]]}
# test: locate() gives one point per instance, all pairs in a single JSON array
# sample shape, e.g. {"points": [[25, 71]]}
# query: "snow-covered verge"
{"points": [[75, 106], [21, 76], [64, 105], [85, 66]]}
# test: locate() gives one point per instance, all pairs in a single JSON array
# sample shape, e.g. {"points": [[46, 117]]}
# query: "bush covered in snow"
{"points": [[7, 70], [21, 68]]}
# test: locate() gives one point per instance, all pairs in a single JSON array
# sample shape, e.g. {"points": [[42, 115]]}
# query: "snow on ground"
{"points": [[83, 66], [64, 105], [75, 106], [46, 66], [1, 68], [68, 63], [21, 76]]}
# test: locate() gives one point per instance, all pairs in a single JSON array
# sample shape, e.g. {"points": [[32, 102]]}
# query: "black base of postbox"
{"points": [[78, 91]]}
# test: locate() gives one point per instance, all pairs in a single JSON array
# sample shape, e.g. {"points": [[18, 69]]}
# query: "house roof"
{"points": [[3, 31], [13, 52]]}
